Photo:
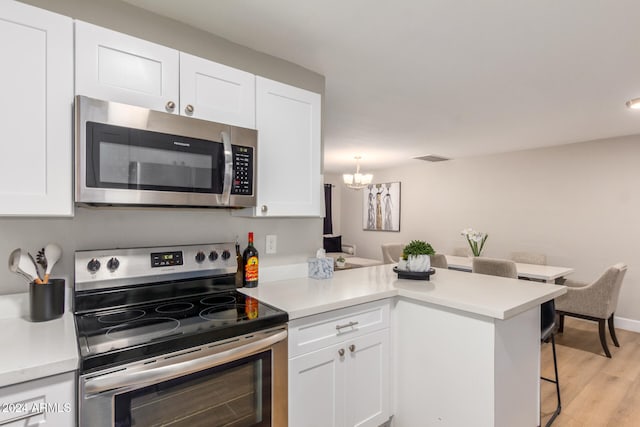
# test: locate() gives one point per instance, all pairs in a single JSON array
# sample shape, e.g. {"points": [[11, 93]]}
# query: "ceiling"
{"points": [[454, 78]]}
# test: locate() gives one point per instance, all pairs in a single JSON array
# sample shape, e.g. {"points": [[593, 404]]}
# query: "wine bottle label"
{"points": [[251, 269]]}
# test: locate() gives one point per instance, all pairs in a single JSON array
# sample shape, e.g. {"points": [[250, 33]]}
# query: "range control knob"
{"points": [[226, 255], [200, 257], [113, 264], [213, 255], [93, 266]]}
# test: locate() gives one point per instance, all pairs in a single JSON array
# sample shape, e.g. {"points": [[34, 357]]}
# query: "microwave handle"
{"points": [[228, 169]]}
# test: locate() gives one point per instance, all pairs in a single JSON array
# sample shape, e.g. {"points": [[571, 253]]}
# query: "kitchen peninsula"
{"points": [[464, 348]]}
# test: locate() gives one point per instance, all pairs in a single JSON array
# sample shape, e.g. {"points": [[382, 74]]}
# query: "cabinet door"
{"points": [[289, 152], [317, 389], [47, 402], [215, 92], [367, 380], [36, 82], [117, 67]]}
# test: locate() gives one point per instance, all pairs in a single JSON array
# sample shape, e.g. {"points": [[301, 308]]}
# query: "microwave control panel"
{"points": [[242, 183]]}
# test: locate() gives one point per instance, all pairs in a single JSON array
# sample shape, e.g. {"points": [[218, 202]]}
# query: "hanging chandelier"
{"points": [[357, 181]]}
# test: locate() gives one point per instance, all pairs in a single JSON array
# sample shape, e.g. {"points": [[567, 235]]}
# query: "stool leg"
{"points": [[561, 323], [557, 382]]}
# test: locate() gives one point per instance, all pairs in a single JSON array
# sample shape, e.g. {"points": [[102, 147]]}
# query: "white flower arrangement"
{"points": [[476, 240]]}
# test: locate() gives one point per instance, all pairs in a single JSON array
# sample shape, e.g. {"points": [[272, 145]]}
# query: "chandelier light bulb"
{"points": [[357, 180], [634, 104]]}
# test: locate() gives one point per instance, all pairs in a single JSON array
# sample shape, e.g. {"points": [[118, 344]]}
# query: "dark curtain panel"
{"points": [[328, 224]]}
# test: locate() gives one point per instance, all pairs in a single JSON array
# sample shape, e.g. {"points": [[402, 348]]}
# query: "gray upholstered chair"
{"points": [[462, 251], [494, 267], [595, 301], [439, 261], [391, 252], [529, 258]]}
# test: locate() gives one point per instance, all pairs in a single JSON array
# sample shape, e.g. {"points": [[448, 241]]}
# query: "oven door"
{"points": [[240, 382]]}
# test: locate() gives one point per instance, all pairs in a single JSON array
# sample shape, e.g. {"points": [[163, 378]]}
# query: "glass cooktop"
{"points": [[123, 335]]}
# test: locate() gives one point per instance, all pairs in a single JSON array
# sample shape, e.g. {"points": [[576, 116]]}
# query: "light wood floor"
{"points": [[595, 390]]}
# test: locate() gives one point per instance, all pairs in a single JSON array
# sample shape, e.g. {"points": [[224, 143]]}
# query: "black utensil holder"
{"points": [[46, 300]]}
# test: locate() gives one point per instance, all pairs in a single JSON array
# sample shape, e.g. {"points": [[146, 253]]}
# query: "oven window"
{"points": [[235, 394], [119, 157]]}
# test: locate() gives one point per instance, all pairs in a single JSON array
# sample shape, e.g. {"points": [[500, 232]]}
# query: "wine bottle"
{"points": [[240, 270], [250, 262]]}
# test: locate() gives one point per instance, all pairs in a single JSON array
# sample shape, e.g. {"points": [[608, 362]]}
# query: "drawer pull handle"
{"points": [[352, 348], [348, 325], [21, 418], [341, 352]]}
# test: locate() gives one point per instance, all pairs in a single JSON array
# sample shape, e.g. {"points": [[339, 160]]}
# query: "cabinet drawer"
{"points": [[326, 329], [48, 401]]}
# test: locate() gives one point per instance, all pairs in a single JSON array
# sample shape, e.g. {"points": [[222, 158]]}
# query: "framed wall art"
{"points": [[381, 207]]}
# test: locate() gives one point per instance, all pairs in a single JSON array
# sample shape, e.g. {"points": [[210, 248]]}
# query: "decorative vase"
{"points": [[340, 264], [418, 263]]}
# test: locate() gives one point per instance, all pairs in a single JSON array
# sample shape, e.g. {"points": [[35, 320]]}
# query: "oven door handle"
{"points": [[124, 379], [228, 169]]}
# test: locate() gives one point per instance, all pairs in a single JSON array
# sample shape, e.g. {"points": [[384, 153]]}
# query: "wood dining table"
{"points": [[545, 273]]}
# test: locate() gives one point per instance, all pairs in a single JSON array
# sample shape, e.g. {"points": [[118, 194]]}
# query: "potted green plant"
{"points": [[416, 256], [340, 262]]}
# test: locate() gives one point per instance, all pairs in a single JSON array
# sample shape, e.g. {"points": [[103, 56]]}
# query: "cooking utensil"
{"points": [[52, 254], [20, 263], [39, 270], [41, 259], [14, 261]]}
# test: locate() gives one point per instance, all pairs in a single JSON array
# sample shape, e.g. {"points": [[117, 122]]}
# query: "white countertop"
{"points": [[34, 350], [491, 296]]}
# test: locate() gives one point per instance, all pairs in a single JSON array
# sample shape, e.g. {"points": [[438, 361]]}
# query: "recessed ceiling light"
{"points": [[634, 103]]}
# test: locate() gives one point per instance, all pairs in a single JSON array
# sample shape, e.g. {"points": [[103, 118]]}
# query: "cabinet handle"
{"points": [[189, 109], [352, 348], [22, 417], [348, 325], [170, 106], [263, 208], [341, 352]]}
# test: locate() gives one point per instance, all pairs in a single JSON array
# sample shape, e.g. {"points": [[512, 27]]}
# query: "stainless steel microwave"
{"points": [[128, 156]]}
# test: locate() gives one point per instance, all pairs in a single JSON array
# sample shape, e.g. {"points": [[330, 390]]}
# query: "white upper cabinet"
{"points": [[121, 68], [215, 92], [36, 81], [117, 67], [289, 150]]}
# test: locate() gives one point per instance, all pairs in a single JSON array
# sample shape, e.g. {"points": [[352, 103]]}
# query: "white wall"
{"points": [[579, 204], [92, 228]]}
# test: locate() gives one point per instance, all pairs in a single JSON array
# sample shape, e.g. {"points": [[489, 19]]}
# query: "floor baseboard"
{"points": [[627, 324]]}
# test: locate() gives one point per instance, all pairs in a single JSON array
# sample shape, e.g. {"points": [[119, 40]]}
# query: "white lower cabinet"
{"points": [[345, 383], [46, 402]]}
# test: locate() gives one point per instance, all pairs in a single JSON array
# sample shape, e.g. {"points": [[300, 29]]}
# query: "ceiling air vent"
{"points": [[432, 158]]}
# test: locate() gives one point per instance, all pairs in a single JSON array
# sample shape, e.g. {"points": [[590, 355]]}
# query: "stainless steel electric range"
{"points": [[165, 339]]}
